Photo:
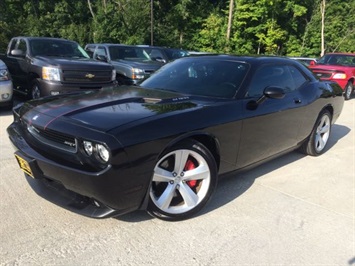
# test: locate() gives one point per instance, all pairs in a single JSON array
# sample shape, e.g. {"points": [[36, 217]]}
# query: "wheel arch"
{"points": [[209, 141], [329, 108]]}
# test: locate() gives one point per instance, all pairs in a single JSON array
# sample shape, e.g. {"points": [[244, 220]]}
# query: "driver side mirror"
{"points": [[271, 92], [159, 59], [18, 53], [101, 58]]}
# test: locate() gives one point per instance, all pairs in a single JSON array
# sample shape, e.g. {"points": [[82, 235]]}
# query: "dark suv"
{"points": [[42, 66], [132, 63]]}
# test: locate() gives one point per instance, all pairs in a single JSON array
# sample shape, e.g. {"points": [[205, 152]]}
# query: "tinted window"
{"points": [[286, 77], [57, 48], [200, 77], [22, 46], [100, 51], [128, 53], [337, 59], [298, 77], [13, 44]]}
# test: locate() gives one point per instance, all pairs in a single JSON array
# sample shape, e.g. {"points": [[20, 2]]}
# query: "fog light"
{"points": [[5, 96], [54, 92], [88, 147]]}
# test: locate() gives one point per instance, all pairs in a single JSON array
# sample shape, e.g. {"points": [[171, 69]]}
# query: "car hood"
{"points": [[107, 109], [332, 68], [73, 63], [2, 65]]}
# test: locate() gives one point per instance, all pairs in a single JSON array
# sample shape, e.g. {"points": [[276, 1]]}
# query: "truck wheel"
{"points": [[35, 90], [348, 90]]}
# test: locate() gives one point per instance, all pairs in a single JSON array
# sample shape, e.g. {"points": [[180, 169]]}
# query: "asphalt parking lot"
{"points": [[295, 210]]}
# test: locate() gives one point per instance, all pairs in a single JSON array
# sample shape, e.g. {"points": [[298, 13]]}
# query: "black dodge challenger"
{"points": [[162, 145]]}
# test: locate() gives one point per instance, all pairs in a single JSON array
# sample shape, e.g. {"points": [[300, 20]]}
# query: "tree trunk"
{"points": [[91, 11], [322, 10], [230, 17]]}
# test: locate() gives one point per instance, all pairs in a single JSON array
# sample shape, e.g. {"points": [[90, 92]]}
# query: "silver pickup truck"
{"points": [[132, 63]]}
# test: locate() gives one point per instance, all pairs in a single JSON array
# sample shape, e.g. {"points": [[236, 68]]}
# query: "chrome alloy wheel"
{"points": [[322, 133], [180, 182]]}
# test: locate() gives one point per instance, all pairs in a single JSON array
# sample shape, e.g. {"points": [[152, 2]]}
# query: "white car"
{"points": [[6, 88], [306, 60]]}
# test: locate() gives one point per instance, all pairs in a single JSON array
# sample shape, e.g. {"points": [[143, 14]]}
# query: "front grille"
{"points": [[54, 139], [89, 77], [323, 75]]}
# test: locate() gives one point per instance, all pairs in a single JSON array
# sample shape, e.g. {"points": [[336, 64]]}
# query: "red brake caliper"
{"points": [[190, 166]]}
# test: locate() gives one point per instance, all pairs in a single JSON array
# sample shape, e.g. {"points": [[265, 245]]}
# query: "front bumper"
{"points": [[103, 194], [54, 88]]}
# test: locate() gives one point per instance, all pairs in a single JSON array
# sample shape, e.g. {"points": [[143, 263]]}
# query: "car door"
{"points": [[18, 65], [271, 127]]}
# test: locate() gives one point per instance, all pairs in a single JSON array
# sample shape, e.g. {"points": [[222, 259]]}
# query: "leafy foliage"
{"points": [[278, 27]]}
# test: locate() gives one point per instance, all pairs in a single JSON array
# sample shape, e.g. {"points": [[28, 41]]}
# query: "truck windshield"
{"points": [[337, 59], [128, 53], [58, 48]]}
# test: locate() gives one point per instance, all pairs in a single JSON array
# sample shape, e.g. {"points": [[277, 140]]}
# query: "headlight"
{"points": [[339, 76], [96, 151], [137, 73], [51, 73], [4, 74], [103, 152], [113, 77], [88, 147]]}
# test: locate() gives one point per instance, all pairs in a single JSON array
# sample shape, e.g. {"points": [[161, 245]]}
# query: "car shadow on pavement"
{"points": [[232, 185], [235, 184]]}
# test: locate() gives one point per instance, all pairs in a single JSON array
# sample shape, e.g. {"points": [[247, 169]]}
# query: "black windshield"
{"points": [[217, 78]]}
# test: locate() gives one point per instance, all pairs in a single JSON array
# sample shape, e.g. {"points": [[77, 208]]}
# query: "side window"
{"points": [[100, 51], [155, 53], [266, 76], [13, 44], [90, 50], [22, 46], [297, 76], [274, 75]]}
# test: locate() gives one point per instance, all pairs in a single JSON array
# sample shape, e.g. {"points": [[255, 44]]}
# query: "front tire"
{"points": [[317, 141], [348, 90], [35, 90], [183, 181]]}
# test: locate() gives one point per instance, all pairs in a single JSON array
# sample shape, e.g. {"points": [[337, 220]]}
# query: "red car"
{"points": [[339, 67]]}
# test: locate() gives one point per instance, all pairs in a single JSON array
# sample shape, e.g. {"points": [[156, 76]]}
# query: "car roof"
{"points": [[112, 44], [246, 58], [339, 53], [42, 38]]}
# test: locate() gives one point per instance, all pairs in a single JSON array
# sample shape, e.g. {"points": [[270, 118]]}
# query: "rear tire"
{"points": [[183, 181], [348, 90], [317, 141]]}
